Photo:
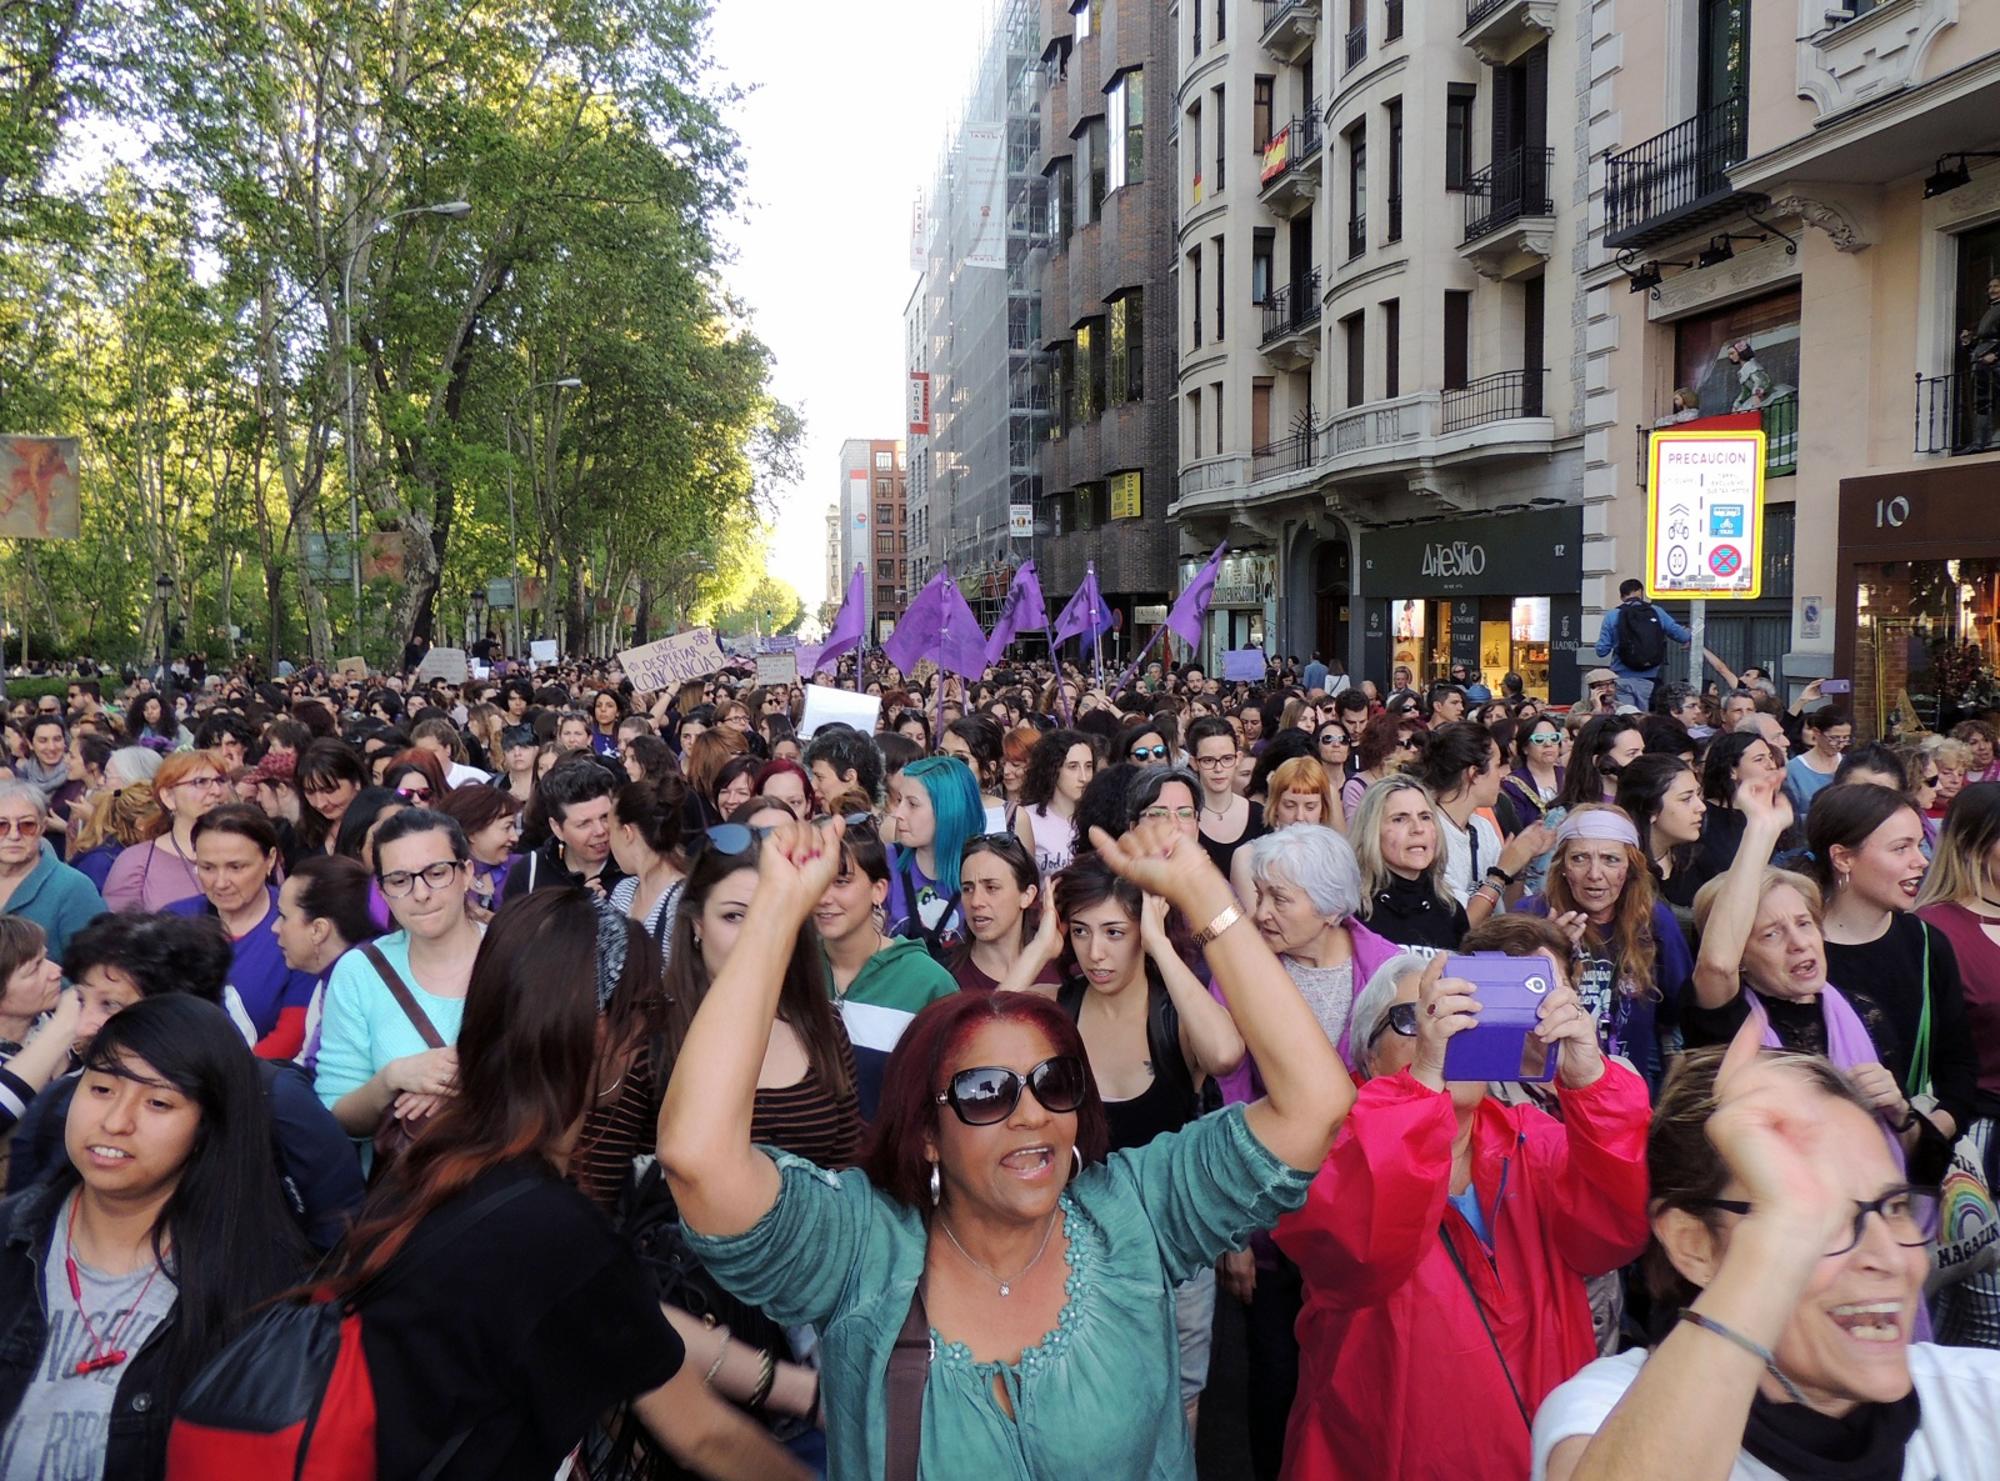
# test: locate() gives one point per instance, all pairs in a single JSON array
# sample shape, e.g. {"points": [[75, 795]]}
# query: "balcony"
{"points": [[1291, 323], [1357, 45], [1510, 214], [1500, 31], [1781, 439], [1677, 181], [1293, 454], [1945, 419], [1289, 181], [1505, 395], [1290, 27]]}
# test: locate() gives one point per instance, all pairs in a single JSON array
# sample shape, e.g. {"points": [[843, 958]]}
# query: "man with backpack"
{"points": [[1634, 637]]}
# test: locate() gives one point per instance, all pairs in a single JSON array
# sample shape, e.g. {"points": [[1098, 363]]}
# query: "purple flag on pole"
{"points": [[939, 626], [1025, 611], [849, 623], [1086, 615], [1191, 609]]}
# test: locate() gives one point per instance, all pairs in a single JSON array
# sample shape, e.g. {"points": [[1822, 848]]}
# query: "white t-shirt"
{"points": [[1958, 1387], [1464, 866]]}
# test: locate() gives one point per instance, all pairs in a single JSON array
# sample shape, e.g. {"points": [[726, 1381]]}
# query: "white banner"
{"points": [[983, 150], [777, 668], [672, 661]]}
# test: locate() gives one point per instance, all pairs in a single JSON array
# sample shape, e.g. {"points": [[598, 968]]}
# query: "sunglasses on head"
{"points": [[988, 1094], [1141, 753]]}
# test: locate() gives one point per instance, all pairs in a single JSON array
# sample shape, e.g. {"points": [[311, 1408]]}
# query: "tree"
{"points": [[771, 607]]}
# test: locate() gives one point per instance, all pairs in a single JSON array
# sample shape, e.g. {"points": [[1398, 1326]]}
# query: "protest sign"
{"points": [[672, 661], [351, 668], [1243, 665], [825, 706], [778, 668], [448, 664], [542, 650]]}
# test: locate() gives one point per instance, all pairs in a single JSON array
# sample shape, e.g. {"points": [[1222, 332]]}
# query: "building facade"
{"points": [[1107, 462], [836, 575], [1791, 226], [1382, 221], [873, 527]]}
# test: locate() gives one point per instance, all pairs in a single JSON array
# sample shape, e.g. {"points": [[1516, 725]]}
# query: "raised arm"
{"points": [[1767, 813], [1209, 1041], [1306, 1088], [1728, 674], [721, 1183]]}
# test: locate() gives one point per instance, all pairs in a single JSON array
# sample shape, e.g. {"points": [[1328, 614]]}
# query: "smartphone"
{"points": [[1836, 686], [1510, 990]]}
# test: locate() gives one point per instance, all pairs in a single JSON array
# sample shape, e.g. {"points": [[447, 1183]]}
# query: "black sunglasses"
{"points": [[1401, 1019], [988, 1094], [1140, 753]]}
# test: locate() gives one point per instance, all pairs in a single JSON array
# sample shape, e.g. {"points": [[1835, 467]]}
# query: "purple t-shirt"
{"points": [[257, 969]]}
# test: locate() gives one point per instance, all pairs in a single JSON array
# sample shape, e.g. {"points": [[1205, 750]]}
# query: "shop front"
{"points": [[1243, 612], [1498, 594], [1918, 629]]}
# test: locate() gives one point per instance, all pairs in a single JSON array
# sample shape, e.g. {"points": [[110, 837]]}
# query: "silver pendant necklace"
{"points": [[1006, 1286]]}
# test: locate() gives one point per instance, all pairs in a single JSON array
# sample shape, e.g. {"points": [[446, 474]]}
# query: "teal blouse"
{"points": [[1099, 1396]]}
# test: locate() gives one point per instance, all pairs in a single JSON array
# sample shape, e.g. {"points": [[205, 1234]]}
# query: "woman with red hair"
{"points": [[1048, 1302], [789, 783]]}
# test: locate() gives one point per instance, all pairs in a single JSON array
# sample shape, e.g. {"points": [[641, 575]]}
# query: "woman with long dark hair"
{"points": [[647, 818], [1604, 747], [330, 777], [1060, 767], [159, 1233], [1662, 797], [1003, 911], [516, 1383]]}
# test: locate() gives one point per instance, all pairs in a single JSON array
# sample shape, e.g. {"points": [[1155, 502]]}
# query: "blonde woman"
{"points": [[1400, 849]]}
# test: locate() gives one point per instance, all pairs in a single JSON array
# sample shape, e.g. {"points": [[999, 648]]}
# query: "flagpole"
{"points": [[1140, 662]]}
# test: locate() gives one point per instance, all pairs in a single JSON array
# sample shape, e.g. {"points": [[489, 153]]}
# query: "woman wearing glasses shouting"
{"points": [[993, 1294]]}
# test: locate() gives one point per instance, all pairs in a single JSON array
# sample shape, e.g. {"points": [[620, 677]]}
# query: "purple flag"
{"points": [[939, 626], [1086, 615], [849, 623], [1025, 611], [1191, 609]]}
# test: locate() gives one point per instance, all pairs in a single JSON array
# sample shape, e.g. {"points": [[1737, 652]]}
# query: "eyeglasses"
{"points": [[400, 882], [1175, 814], [1141, 753], [414, 794], [1218, 761], [1546, 738], [1931, 780], [987, 1095], [1333, 738], [211, 781], [1910, 1211], [1409, 743], [26, 827], [1401, 1019]]}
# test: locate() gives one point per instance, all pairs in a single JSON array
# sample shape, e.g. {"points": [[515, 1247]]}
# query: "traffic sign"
{"points": [[1705, 515]]}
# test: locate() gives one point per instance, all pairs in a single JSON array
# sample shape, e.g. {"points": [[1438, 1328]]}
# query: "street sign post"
{"points": [[1705, 523]]}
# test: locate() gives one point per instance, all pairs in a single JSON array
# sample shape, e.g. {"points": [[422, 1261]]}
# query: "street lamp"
{"points": [[456, 211], [560, 383]]}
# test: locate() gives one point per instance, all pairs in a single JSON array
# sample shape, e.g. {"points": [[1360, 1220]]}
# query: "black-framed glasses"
{"points": [[1911, 1210], [1409, 743], [987, 1095], [1401, 1020], [1142, 753], [400, 882]]}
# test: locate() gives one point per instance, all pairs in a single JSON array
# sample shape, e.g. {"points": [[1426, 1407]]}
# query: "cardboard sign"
{"points": [[1243, 665], [542, 650], [448, 664], [778, 668], [351, 668], [826, 706], [672, 661]]}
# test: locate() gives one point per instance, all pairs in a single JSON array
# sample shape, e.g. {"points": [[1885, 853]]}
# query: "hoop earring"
{"points": [[937, 1186], [1076, 1155]]}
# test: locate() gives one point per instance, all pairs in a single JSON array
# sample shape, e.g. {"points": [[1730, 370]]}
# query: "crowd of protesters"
{"points": [[670, 1091]]}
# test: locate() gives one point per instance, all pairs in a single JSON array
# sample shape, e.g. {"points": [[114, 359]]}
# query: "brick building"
{"points": [[873, 526]]}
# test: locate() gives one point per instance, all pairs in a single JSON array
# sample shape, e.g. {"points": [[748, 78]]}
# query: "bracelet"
{"points": [[1755, 1349], [721, 1352], [1229, 917], [1494, 871], [1483, 887], [767, 1374]]}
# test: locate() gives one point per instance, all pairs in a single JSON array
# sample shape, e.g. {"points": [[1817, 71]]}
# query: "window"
{"points": [[1221, 19], [1062, 377], [1457, 339], [885, 514], [1263, 94], [1457, 134], [1262, 247], [1125, 163], [1192, 439], [1395, 112], [1194, 294], [1260, 412], [883, 463], [1221, 145], [1062, 198], [1354, 341], [1090, 183], [1087, 396], [1086, 14], [884, 571], [1215, 396], [882, 486], [1197, 30], [1221, 290], [885, 544], [1125, 375], [1392, 348], [1191, 144], [1357, 189]]}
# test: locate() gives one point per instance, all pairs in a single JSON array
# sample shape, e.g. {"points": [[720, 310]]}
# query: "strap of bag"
{"points": [[437, 1236], [1920, 1058], [400, 991], [1480, 1311], [909, 1370]]}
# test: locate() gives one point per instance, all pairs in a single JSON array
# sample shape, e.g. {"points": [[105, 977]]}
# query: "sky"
{"points": [[854, 102]]}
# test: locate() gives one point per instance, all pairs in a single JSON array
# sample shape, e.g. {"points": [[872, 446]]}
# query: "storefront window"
{"points": [[1926, 647], [1744, 358]]}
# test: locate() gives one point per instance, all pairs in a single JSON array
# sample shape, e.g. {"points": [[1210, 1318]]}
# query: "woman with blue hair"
{"points": [[935, 811]]}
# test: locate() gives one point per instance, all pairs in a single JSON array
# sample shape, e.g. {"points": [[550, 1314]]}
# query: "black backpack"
{"points": [[1642, 642]]}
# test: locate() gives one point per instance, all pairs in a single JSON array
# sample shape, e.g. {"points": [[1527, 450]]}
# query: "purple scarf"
{"points": [[1847, 1041]]}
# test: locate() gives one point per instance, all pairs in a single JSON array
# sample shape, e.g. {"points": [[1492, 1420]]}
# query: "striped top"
{"points": [[807, 1120], [620, 1127]]}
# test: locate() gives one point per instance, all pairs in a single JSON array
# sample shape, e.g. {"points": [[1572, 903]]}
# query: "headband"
{"points": [[1605, 824]]}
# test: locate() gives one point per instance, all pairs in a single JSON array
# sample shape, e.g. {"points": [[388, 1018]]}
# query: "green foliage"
{"points": [[183, 305]]}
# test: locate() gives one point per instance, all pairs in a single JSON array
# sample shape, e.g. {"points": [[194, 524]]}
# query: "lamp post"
{"points": [[560, 383], [457, 211]]}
